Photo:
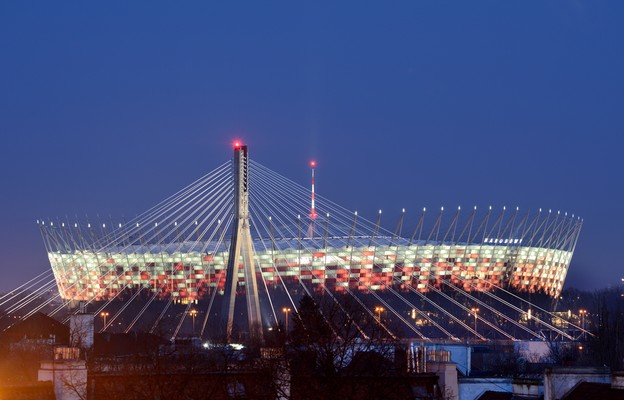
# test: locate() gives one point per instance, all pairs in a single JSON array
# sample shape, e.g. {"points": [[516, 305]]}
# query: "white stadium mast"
{"points": [[241, 249]]}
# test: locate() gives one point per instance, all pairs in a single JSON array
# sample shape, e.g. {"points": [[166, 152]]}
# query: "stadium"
{"points": [[283, 235]]}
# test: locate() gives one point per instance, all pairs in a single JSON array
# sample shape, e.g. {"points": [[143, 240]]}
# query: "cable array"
{"points": [[438, 273]]}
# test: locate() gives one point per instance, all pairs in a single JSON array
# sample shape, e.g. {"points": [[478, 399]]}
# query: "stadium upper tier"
{"points": [[180, 247]]}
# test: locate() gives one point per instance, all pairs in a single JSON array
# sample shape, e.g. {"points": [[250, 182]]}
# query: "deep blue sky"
{"points": [[109, 107]]}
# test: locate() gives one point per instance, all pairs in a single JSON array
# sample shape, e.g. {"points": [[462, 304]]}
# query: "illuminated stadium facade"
{"points": [[181, 248], [85, 274]]}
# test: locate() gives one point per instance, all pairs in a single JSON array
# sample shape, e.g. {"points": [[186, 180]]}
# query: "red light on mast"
{"points": [[237, 144], [312, 210]]}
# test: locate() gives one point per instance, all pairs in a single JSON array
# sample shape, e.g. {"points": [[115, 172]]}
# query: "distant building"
{"points": [[38, 328]]}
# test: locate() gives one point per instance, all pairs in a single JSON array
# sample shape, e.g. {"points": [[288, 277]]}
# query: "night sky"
{"points": [[109, 107]]}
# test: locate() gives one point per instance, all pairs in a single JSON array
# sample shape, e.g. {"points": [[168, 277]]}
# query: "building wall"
{"points": [[473, 388], [68, 376], [560, 380]]}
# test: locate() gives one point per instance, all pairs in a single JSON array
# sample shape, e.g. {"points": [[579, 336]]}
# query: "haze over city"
{"points": [[109, 108]]}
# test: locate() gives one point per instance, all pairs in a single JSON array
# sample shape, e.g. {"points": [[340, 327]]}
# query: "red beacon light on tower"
{"points": [[312, 210], [237, 144]]}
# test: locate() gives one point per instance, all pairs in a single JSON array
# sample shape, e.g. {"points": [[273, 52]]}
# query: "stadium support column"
{"points": [[241, 250]]}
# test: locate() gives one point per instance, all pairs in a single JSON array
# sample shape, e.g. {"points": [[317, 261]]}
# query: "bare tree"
{"points": [[340, 350], [607, 346]]}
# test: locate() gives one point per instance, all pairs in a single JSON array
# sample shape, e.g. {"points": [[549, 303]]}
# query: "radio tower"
{"points": [[241, 251], [312, 211]]}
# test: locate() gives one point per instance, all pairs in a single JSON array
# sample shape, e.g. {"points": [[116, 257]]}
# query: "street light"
{"points": [[193, 314], [286, 310], [475, 311], [104, 314], [379, 310], [583, 313]]}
